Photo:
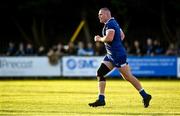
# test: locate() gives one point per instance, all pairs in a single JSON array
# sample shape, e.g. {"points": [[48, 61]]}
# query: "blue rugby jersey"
{"points": [[115, 47]]}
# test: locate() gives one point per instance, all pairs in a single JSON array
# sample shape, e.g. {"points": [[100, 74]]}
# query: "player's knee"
{"points": [[101, 78], [100, 75], [101, 72]]}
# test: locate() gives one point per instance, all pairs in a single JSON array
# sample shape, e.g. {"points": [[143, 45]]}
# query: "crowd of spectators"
{"points": [[150, 48], [79, 49]]}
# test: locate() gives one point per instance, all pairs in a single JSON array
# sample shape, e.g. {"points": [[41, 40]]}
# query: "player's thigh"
{"points": [[108, 64], [125, 71]]}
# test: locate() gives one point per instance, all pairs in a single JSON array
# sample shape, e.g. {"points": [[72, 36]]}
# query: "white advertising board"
{"points": [[28, 66], [80, 66]]}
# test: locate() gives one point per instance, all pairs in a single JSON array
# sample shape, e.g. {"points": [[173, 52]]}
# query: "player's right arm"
{"points": [[107, 38]]}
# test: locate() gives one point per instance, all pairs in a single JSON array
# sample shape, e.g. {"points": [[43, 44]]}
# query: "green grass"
{"points": [[70, 97]]}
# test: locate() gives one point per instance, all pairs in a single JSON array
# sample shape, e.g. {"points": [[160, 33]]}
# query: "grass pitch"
{"points": [[71, 98]]}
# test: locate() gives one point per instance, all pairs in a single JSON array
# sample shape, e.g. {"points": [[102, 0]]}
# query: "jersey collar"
{"points": [[109, 20]]}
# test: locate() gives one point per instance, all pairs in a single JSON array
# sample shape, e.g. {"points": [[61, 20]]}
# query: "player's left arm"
{"points": [[107, 38]]}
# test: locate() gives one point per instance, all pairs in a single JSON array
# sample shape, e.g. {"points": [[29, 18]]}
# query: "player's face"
{"points": [[102, 16]]}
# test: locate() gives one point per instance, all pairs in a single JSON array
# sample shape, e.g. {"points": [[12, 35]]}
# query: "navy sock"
{"points": [[143, 93], [101, 97]]}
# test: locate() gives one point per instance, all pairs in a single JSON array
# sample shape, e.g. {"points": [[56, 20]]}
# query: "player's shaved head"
{"points": [[104, 14], [107, 11]]}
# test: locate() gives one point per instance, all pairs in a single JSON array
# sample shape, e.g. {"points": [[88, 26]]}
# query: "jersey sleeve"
{"points": [[110, 26]]}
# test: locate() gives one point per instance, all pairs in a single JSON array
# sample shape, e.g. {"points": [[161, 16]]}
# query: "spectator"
{"points": [[171, 50], [90, 51], [81, 49], [20, 51], [99, 49], [136, 49], [53, 55], [127, 47], [41, 51], [149, 48], [29, 51], [158, 49], [11, 49], [60, 49], [71, 49]]}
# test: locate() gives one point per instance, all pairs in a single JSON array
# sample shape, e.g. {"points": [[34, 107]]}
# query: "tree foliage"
{"points": [[59, 18]]}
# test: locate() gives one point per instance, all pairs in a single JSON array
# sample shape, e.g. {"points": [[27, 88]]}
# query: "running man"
{"points": [[116, 57]]}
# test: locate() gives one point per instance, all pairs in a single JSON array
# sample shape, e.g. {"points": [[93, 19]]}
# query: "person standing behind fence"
{"points": [[11, 50], [90, 50], [136, 49], [116, 57]]}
